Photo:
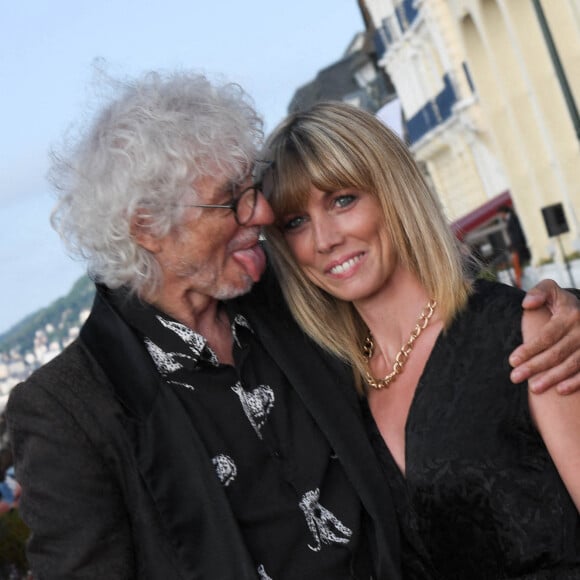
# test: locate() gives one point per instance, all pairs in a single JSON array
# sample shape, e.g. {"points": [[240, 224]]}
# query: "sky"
{"points": [[48, 51]]}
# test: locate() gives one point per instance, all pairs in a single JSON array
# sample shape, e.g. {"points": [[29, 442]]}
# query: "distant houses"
{"points": [[17, 365]]}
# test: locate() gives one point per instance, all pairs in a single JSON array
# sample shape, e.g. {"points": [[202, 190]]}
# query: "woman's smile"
{"points": [[346, 266]]}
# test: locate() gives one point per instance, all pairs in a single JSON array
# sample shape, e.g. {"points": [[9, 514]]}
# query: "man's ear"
{"points": [[141, 231]]}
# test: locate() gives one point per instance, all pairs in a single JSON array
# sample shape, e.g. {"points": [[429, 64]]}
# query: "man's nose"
{"points": [[263, 213]]}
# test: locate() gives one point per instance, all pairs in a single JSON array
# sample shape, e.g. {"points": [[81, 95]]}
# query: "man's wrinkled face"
{"points": [[209, 253]]}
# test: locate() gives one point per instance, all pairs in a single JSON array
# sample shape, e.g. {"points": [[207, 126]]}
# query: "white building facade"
{"points": [[487, 110]]}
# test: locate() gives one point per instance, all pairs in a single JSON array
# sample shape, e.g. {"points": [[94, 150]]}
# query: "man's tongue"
{"points": [[253, 260]]}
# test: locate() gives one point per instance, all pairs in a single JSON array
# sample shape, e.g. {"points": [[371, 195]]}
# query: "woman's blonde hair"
{"points": [[334, 146]]}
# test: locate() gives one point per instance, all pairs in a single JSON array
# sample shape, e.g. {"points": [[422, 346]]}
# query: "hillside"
{"points": [[55, 320]]}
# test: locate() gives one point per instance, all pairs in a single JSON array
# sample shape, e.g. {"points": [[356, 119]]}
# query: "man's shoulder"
{"points": [[67, 365], [72, 375]]}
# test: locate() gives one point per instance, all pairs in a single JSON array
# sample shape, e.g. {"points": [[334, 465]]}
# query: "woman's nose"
{"points": [[326, 235]]}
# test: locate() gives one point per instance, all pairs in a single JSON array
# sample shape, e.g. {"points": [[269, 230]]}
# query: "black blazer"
{"points": [[116, 481]]}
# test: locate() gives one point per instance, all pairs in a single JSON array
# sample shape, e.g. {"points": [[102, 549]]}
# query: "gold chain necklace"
{"points": [[368, 349]]}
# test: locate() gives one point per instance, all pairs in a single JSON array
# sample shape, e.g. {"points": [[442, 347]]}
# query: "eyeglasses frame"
{"points": [[233, 205]]}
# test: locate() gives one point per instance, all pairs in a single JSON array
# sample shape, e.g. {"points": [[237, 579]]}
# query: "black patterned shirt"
{"points": [[297, 511]]}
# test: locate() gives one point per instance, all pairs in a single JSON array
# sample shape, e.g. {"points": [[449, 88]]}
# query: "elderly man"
{"points": [[192, 432]]}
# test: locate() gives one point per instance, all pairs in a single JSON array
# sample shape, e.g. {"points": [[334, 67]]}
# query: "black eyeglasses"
{"points": [[243, 206]]}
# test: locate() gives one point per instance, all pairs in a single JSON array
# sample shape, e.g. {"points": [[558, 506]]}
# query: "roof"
{"points": [[480, 215]]}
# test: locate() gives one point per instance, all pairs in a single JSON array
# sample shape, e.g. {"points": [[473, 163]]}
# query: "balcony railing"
{"points": [[433, 113], [406, 13]]}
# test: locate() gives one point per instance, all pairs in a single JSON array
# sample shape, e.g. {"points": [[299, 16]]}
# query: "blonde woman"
{"points": [[485, 475]]}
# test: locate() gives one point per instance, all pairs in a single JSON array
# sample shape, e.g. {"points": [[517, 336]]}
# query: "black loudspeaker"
{"points": [[555, 219]]}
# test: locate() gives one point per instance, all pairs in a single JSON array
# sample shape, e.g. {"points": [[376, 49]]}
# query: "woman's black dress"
{"points": [[481, 498]]}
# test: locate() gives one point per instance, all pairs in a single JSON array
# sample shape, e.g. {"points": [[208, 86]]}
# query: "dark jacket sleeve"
{"points": [[70, 501]]}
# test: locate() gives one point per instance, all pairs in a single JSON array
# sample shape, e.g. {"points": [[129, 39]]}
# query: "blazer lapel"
{"points": [[326, 386]]}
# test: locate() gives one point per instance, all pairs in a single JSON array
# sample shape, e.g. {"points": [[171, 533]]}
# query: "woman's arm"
{"points": [[552, 357], [557, 418]]}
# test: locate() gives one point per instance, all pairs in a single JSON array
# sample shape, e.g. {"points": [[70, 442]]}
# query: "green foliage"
{"points": [[61, 314], [13, 535], [487, 274]]}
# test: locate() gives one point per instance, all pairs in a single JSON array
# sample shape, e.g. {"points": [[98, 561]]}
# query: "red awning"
{"points": [[480, 215]]}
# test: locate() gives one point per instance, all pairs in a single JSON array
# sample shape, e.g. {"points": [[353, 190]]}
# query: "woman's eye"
{"points": [[293, 223], [344, 200]]}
